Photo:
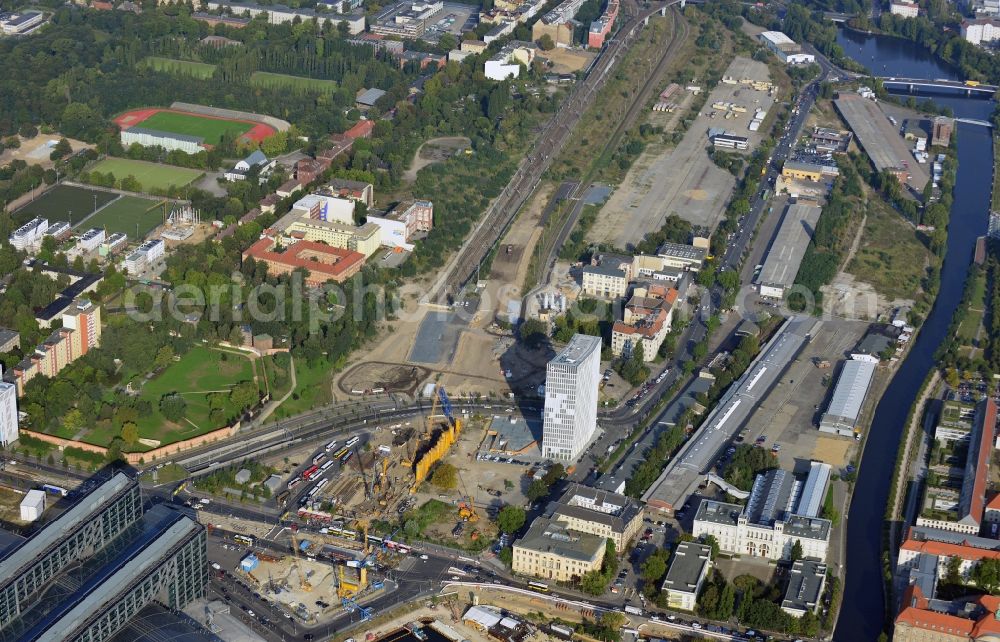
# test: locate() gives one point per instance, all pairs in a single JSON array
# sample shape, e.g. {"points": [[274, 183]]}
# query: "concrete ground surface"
{"points": [[683, 180], [567, 61]]}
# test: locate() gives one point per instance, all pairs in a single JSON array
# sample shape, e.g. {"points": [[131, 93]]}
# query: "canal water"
{"points": [[862, 614]]}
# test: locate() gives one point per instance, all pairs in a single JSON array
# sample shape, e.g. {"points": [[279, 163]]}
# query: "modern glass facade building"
{"points": [[76, 535], [570, 416]]}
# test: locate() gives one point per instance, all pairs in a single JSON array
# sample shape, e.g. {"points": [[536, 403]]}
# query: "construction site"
{"points": [[354, 496]]}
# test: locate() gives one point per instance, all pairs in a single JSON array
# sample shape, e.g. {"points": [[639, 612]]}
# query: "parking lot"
{"points": [[684, 180]]}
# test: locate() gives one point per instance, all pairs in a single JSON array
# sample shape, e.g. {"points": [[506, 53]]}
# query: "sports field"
{"points": [[125, 214], [210, 129], [200, 70], [153, 176], [268, 80], [65, 203]]}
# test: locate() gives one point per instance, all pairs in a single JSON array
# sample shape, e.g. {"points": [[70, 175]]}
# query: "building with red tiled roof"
{"points": [[968, 514], [321, 262], [922, 619], [361, 129], [647, 319]]}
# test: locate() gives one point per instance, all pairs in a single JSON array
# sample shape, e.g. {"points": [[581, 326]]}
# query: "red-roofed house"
{"points": [[926, 620], [361, 129], [307, 169], [647, 319], [972, 497], [322, 262]]}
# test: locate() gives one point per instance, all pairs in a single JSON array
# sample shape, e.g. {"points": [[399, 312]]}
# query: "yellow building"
{"points": [[802, 171], [364, 239], [599, 512], [550, 551]]}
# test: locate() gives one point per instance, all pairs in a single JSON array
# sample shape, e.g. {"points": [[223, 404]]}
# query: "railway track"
{"points": [[550, 142]]}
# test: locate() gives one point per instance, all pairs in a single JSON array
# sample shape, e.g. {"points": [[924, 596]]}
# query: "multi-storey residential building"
{"points": [[904, 8], [81, 331], [687, 572], [647, 319], [144, 257], [551, 551], [770, 524], [604, 281], [609, 515], [570, 415], [29, 234], [925, 619], [981, 30]]}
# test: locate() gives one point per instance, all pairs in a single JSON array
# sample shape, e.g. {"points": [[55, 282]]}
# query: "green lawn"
{"points": [[200, 70], [313, 389], [974, 315], [891, 257], [198, 373], [65, 203], [124, 214], [268, 80], [211, 129], [150, 175]]}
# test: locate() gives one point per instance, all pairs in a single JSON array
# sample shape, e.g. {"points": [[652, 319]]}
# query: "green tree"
{"points": [[727, 602], [797, 550], [986, 575], [712, 543], [537, 490], [533, 332], [74, 420], [445, 477], [411, 527], [510, 519], [555, 472], [244, 395], [173, 407], [953, 570], [653, 568], [613, 619], [546, 43], [130, 433], [164, 357]]}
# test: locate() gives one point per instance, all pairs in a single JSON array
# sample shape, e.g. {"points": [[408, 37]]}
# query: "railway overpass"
{"points": [[939, 84]]}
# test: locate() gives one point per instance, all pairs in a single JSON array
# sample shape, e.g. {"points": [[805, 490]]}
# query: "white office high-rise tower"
{"points": [[8, 411], [571, 382]]}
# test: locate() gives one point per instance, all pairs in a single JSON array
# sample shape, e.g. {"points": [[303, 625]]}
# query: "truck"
{"points": [[634, 610]]}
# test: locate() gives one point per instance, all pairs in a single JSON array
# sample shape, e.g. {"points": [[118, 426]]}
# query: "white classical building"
{"points": [[571, 381], [770, 524]]}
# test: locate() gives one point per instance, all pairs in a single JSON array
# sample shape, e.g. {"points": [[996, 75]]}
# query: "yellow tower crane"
{"points": [[303, 582]]}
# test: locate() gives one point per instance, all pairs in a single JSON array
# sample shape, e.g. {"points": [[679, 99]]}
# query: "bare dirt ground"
{"points": [[35, 151], [394, 377], [435, 150], [10, 506], [567, 61], [684, 180]]}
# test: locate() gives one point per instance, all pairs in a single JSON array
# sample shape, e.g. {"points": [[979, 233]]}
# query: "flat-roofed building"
{"points": [[9, 340], [787, 50], [806, 581], [815, 172], [784, 256], [417, 216], [571, 381], [355, 190], [598, 512], [164, 561], [74, 536], [841, 417], [551, 551], [29, 234], [686, 574], [683, 257]]}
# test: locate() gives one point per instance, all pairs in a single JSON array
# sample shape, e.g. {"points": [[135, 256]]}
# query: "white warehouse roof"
{"points": [[849, 395]]}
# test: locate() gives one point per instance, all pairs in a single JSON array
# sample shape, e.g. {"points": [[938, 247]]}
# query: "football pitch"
{"points": [[209, 129], [152, 176], [65, 203], [129, 215]]}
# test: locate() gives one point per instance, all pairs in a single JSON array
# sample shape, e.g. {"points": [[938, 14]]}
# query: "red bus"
{"points": [[309, 472]]}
